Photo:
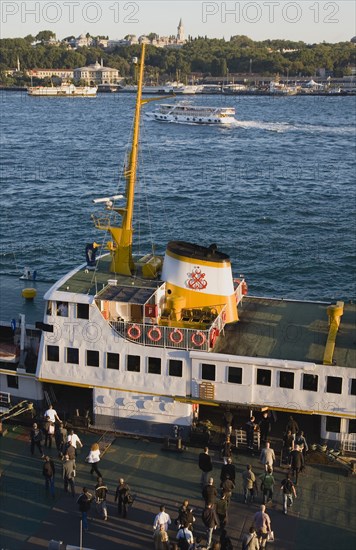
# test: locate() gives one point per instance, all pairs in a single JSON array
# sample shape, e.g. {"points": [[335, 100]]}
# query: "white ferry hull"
{"points": [[195, 119], [62, 91]]}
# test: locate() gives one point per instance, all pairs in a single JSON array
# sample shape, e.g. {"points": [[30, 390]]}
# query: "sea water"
{"points": [[275, 191]]}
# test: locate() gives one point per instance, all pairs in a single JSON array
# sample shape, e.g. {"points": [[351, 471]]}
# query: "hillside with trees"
{"points": [[203, 56]]}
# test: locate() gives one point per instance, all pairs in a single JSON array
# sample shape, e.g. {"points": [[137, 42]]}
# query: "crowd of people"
{"points": [[216, 494]]}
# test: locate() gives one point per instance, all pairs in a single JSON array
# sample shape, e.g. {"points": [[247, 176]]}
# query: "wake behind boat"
{"points": [[195, 114], [65, 90]]}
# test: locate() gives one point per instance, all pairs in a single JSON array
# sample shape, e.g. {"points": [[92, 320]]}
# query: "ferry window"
{"points": [[62, 309], [52, 353], [334, 384], [113, 361], [82, 311], [73, 355], [207, 371], [49, 308], [263, 377], [310, 382], [175, 367], [133, 363], [352, 426], [286, 379], [154, 365], [92, 358], [235, 375], [353, 386], [12, 382], [333, 424]]}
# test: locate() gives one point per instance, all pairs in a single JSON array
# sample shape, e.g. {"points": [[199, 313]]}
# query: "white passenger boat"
{"points": [[195, 114], [148, 342], [65, 90]]}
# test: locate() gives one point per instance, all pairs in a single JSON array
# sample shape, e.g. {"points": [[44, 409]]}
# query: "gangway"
{"points": [[105, 441]]}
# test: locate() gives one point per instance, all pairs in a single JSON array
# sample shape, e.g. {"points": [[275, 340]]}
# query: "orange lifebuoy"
{"points": [[244, 288], [213, 336], [154, 334], [176, 336], [134, 332], [198, 338]]}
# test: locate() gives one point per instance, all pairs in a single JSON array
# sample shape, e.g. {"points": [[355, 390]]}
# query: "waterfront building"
{"points": [[96, 74]]}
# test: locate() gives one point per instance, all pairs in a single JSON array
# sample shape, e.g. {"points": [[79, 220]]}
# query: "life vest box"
{"points": [[151, 310]]}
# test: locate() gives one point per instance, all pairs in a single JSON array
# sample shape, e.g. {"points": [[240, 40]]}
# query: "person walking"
{"points": [[288, 442], [302, 444], [288, 492], [250, 540], [267, 484], [162, 518], [84, 501], [210, 521], [227, 487], [226, 449], [221, 508], [292, 425], [228, 421], [267, 457], [206, 466], [262, 524], [210, 492], [73, 439], [121, 497], [93, 458], [251, 427], [228, 470], [160, 539], [60, 436], [36, 437], [101, 491], [296, 462], [185, 515], [249, 484], [184, 537], [48, 472], [49, 429], [265, 427], [51, 415], [69, 472]]}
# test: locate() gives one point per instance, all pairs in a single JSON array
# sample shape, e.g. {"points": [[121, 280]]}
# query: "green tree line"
{"points": [[208, 56]]}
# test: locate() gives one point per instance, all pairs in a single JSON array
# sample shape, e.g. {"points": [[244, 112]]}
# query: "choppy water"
{"points": [[276, 191]]}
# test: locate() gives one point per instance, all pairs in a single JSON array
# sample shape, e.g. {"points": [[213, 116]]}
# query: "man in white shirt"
{"points": [[267, 457], [162, 518], [51, 414], [74, 440]]}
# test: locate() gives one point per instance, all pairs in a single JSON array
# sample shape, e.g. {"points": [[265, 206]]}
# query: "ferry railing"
{"points": [[161, 336]]}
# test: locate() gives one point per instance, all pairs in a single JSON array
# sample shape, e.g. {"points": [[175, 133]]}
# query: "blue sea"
{"points": [[276, 191]]}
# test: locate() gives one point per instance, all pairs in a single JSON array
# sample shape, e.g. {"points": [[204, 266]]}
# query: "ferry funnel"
{"points": [[199, 276]]}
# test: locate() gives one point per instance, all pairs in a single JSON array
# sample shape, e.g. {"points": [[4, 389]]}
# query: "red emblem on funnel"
{"points": [[196, 279]]}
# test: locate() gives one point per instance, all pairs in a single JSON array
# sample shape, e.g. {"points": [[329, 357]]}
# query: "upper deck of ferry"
{"points": [[267, 327]]}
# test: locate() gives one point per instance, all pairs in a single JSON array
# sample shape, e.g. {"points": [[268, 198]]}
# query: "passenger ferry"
{"points": [[148, 342], [65, 90], [186, 112]]}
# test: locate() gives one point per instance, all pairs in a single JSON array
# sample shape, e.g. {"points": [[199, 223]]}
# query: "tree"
{"points": [[45, 36]]}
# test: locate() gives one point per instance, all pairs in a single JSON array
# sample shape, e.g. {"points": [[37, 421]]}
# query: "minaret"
{"points": [[180, 34]]}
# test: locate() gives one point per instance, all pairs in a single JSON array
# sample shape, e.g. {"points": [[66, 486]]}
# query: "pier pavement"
{"points": [[322, 516]]}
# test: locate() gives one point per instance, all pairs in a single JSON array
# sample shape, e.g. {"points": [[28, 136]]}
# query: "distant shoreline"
{"points": [[239, 93]]}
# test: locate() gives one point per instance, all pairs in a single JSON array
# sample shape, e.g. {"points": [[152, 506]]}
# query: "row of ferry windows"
{"points": [[286, 379], [263, 376], [133, 363]]}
